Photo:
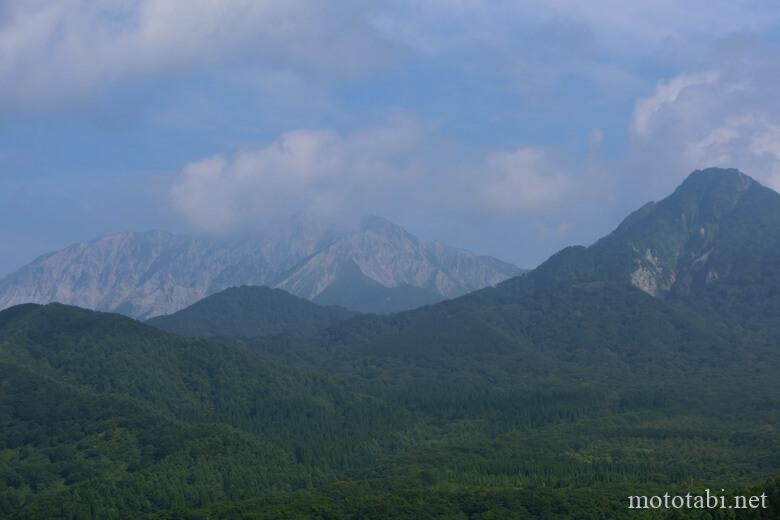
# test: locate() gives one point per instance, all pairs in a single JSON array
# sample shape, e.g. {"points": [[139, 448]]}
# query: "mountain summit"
{"points": [[153, 273], [719, 224]]}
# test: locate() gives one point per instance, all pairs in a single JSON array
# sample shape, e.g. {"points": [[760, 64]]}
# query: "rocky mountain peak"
{"points": [[718, 226], [383, 227], [675, 242], [151, 273]]}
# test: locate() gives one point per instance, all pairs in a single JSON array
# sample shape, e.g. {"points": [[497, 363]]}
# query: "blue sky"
{"points": [[509, 128]]}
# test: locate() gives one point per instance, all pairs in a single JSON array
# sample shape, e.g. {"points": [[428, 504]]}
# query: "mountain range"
{"points": [[375, 267], [643, 364]]}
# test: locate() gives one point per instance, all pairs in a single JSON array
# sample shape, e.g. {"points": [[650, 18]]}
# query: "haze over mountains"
{"points": [[376, 267]]}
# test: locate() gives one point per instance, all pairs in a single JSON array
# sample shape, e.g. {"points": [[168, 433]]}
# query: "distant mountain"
{"points": [[247, 312], [353, 289], [154, 273], [393, 257]]}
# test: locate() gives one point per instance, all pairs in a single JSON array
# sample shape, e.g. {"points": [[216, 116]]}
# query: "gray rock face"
{"points": [[153, 273], [680, 244]]}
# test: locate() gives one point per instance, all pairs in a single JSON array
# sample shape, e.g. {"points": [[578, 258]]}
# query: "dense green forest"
{"points": [[553, 395]]}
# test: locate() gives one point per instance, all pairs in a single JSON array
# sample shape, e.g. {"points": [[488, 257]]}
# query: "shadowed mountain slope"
{"points": [[354, 290], [246, 312]]}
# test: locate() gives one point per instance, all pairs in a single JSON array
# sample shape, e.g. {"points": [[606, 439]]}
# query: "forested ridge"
{"points": [[248, 312], [553, 395]]}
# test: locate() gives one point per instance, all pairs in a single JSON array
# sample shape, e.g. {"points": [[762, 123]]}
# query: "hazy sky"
{"points": [[509, 128]]}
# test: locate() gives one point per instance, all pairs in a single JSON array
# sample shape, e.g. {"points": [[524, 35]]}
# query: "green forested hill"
{"points": [[247, 312], [102, 413], [717, 237], [608, 371]]}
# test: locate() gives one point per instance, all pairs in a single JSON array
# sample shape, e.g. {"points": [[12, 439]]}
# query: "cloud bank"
{"points": [[54, 50], [70, 48], [319, 171], [382, 169]]}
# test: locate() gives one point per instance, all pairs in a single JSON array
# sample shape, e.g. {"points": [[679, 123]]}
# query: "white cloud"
{"points": [[383, 170], [65, 48], [72, 47], [765, 144], [320, 171], [665, 94], [728, 118], [522, 181]]}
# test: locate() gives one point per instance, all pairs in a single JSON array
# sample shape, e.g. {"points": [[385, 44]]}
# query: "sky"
{"points": [[509, 128]]}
